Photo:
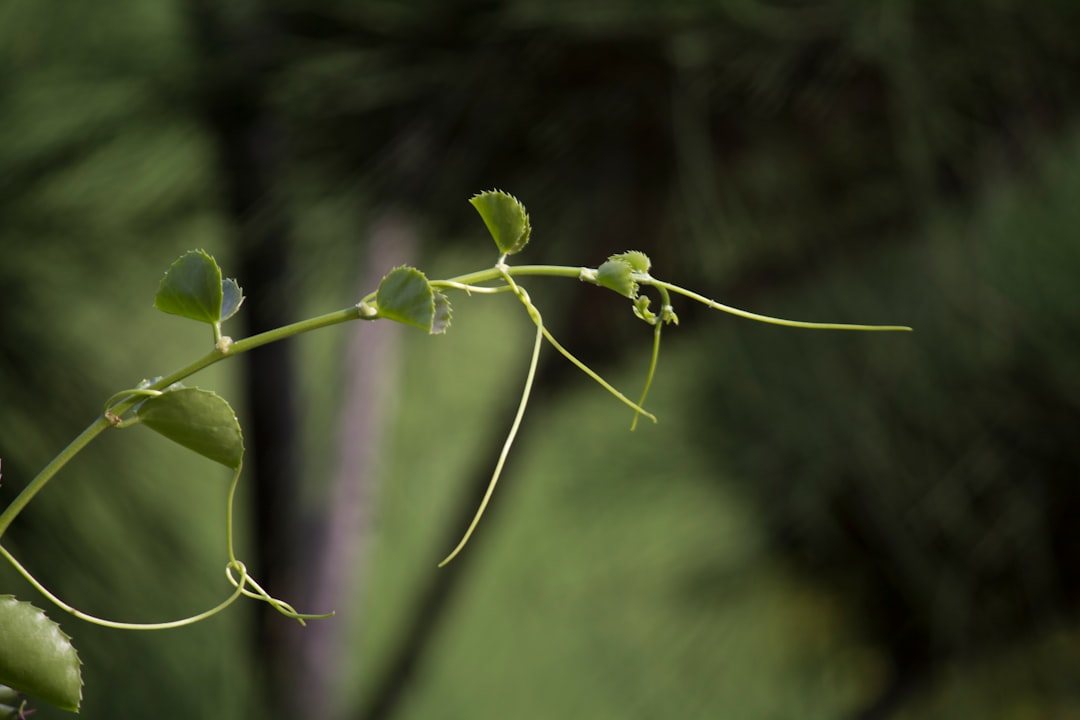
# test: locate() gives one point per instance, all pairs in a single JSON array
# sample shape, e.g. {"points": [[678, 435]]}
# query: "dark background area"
{"points": [[822, 525]]}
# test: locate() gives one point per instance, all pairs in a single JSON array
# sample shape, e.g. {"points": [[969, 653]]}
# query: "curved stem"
{"points": [[121, 625], [506, 446], [469, 282], [63, 458], [103, 423], [260, 594], [229, 515], [652, 370]]}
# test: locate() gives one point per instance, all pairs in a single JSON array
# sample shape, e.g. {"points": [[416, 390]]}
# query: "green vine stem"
{"points": [[469, 282], [193, 287], [224, 346], [117, 407]]}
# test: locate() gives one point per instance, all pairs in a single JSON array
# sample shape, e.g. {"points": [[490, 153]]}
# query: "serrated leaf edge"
{"points": [[615, 260], [67, 638], [441, 323], [639, 261]]}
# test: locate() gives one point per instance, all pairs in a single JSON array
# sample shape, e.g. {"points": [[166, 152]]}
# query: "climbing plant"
{"points": [[37, 659]]}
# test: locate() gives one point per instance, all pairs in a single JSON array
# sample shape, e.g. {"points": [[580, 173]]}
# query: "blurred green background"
{"points": [[822, 525]]}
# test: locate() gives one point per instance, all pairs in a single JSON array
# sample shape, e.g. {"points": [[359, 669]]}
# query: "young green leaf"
{"points": [[193, 288], [505, 218], [232, 297], [641, 309], [616, 274], [639, 261], [197, 419], [406, 296], [37, 657]]}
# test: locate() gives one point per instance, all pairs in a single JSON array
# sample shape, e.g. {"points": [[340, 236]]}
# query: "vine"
{"points": [[39, 660]]}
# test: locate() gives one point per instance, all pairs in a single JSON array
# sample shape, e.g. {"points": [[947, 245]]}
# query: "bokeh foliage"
{"points": [[830, 515]]}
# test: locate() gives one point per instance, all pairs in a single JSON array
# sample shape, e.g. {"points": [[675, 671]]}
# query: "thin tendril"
{"points": [[124, 625], [646, 279], [260, 594], [229, 516], [506, 445], [246, 580], [534, 313], [236, 572], [601, 381], [652, 370]]}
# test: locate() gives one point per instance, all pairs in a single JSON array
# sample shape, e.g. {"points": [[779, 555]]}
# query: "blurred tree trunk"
{"points": [[338, 544], [237, 48]]}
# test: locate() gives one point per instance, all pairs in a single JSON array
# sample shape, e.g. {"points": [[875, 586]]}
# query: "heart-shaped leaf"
{"points": [[505, 218], [193, 288], [197, 419], [406, 296], [36, 656]]}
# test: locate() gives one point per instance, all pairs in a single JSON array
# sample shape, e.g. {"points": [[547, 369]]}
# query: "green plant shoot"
{"points": [[38, 659]]}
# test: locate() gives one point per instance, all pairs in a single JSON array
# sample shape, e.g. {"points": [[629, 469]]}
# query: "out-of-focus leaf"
{"points": [[36, 656], [232, 297], [197, 419]]}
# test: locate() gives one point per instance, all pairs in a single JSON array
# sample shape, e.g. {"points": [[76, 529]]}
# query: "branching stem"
{"points": [[474, 282]]}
